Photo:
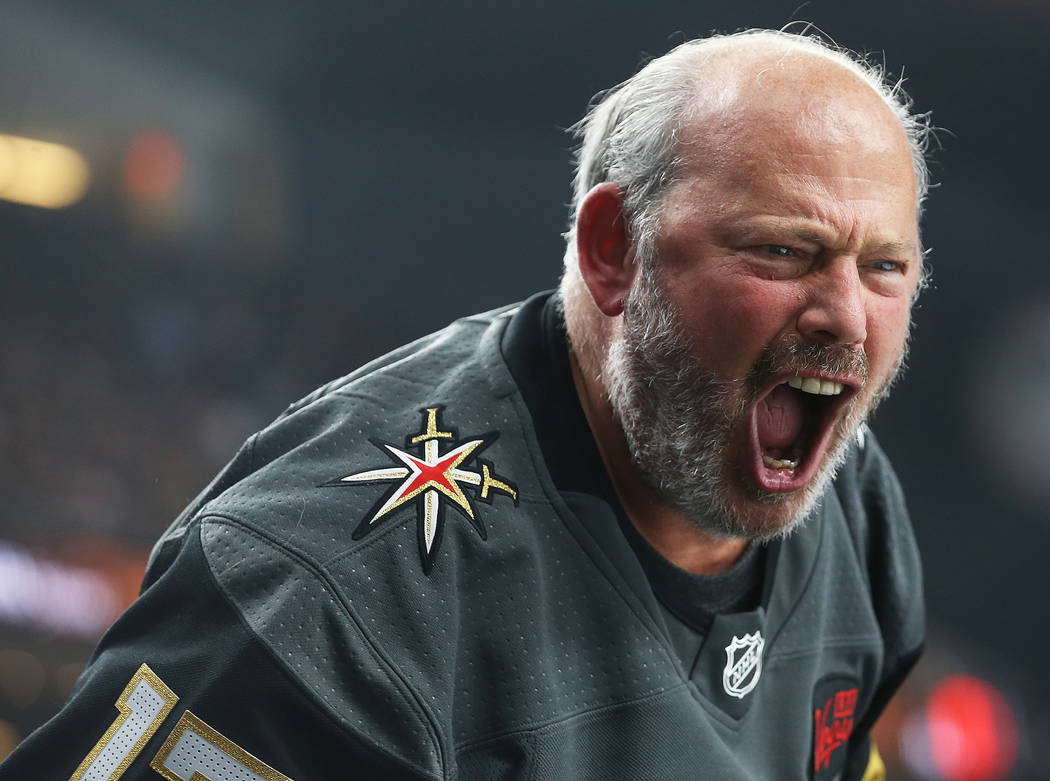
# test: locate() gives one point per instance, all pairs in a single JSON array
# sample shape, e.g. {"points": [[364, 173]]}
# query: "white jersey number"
{"points": [[143, 705], [193, 750]]}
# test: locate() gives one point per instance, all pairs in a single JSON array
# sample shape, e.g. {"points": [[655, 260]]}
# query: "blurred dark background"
{"points": [[264, 195]]}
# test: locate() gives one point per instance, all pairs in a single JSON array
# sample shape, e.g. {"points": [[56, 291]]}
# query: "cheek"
{"points": [[887, 331], [734, 321]]}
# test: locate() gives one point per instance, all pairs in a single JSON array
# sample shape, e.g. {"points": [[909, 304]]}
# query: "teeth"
{"points": [[779, 463], [815, 386]]}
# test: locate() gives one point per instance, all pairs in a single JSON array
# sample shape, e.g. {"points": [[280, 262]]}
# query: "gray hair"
{"points": [[629, 136]]}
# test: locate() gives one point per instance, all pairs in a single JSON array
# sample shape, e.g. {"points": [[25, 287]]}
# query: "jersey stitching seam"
{"points": [[391, 369], [394, 675], [846, 642], [251, 451], [374, 537], [352, 393], [381, 364], [349, 390], [547, 724]]}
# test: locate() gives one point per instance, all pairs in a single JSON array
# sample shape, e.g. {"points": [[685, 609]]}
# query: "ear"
{"points": [[603, 248]]}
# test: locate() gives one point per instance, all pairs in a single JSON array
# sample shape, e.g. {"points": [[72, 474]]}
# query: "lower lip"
{"points": [[785, 481]]}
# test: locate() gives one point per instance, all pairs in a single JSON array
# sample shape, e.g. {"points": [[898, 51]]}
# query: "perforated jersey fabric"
{"points": [[532, 647]]}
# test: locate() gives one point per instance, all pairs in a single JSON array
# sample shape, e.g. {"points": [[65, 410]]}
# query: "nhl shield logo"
{"points": [[743, 664]]}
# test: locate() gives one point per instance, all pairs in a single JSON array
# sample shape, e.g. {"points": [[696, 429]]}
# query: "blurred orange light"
{"points": [[972, 731], [153, 166]]}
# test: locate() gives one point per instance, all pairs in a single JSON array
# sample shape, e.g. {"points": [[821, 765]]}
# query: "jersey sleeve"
{"points": [[184, 683]]}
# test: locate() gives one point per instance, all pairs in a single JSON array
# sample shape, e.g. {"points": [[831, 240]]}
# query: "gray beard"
{"points": [[679, 419]]}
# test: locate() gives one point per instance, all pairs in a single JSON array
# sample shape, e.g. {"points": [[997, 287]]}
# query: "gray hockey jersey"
{"points": [[389, 582]]}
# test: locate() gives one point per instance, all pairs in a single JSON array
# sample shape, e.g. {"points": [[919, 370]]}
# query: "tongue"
{"points": [[779, 417]]}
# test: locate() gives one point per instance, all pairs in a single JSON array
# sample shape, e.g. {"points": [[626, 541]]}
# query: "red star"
{"points": [[433, 472], [431, 475]]}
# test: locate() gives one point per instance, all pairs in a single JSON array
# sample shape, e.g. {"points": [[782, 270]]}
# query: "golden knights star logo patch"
{"points": [[431, 480]]}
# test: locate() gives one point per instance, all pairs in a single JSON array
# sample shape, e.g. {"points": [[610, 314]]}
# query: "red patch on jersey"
{"points": [[834, 710]]}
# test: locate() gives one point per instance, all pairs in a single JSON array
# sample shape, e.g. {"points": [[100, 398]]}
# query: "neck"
{"points": [[666, 528]]}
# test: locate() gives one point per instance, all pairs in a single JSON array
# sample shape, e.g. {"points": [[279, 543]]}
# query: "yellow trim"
{"points": [[158, 686], [431, 430], [193, 724], [488, 481], [429, 519], [876, 770]]}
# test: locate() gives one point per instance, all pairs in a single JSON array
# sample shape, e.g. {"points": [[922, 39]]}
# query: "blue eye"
{"points": [[779, 250], [887, 265]]}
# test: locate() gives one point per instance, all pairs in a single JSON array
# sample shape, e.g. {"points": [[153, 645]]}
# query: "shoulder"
{"points": [[316, 535], [874, 507], [463, 341], [289, 481], [880, 531]]}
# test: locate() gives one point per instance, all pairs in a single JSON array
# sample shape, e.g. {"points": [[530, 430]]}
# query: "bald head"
{"points": [[762, 74], [761, 97]]}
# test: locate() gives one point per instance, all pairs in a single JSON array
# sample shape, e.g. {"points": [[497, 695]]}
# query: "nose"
{"points": [[834, 310]]}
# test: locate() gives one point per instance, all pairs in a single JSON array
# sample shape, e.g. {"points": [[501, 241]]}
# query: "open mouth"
{"points": [[791, 425]]}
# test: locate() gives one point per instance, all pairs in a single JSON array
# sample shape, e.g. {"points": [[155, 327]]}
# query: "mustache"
{"points": [[791, 355]]}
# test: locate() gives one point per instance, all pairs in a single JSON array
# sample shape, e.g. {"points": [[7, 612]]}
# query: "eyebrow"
{"points": [[895, 248], [803, 232]]}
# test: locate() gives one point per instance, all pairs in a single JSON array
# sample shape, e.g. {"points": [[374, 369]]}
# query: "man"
{"points": [[663, 547]]}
